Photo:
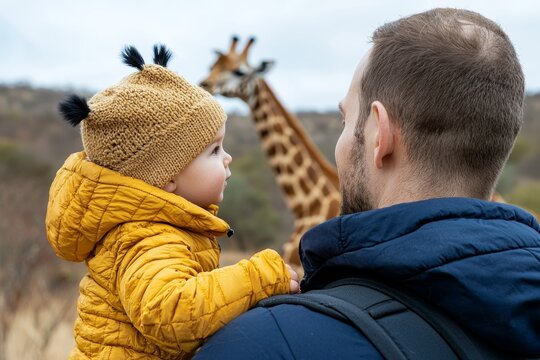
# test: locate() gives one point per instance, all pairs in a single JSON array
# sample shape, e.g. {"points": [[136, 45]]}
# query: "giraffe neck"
{"points": [[308, 181]]}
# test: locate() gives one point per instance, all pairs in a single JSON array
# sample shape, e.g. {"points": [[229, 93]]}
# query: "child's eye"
{"points": [[215, 150]]}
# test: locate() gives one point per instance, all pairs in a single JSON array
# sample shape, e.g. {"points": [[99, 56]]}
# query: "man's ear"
{"points": [[385, 135], [170, 186]]}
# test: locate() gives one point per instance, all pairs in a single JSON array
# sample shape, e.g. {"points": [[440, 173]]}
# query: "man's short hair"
{"points": [[451, 81]]}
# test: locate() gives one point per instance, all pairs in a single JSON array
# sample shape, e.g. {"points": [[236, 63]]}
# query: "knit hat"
{"points": [[151, 125]]}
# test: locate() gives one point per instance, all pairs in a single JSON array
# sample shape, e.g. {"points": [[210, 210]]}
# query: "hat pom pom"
{"points": [[132, 57], [162, 55], [74, 109]]}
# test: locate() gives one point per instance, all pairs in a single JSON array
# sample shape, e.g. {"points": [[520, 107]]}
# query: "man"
{"points": [[430, 117]]}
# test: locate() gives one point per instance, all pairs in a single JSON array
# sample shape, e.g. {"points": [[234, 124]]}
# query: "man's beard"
{"points": [[355, 195]]}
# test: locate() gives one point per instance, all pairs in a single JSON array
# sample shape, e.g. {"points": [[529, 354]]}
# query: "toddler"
{"points": [[139, 207]]}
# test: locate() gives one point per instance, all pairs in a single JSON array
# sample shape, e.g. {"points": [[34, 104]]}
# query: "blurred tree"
{"points": [[519, 160], [508, 179], [523, 148], [526, 195], [16, 163], [247, 210]]}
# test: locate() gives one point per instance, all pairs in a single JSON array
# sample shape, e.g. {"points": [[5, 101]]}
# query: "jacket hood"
{"points": [[86, 201], [477, 261]]}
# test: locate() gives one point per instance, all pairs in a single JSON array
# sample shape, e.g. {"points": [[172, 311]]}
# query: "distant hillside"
{"points": [[29, 118]]}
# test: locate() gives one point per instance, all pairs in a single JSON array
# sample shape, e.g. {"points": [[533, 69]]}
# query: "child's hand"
{"points": [[295, 286]]}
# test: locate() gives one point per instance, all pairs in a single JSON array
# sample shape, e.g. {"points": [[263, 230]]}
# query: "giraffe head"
{"points": [[231, 74]]}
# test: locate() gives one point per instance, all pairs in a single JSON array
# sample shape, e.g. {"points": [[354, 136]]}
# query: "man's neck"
{"points": [[397, 192]]}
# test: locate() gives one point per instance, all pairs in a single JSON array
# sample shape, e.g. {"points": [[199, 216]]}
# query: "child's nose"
{"points": [[228, 159]]}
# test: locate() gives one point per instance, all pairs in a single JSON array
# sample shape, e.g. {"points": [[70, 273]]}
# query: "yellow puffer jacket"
{"points": [[153, 289]]}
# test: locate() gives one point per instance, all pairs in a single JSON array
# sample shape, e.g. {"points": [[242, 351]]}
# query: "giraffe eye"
{"points": [[238, 72]]}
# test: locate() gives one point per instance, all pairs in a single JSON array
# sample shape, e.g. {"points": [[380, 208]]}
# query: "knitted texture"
{"points": [[151, 125]]}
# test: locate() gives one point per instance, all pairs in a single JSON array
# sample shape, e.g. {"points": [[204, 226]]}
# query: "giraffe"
{"points": [[307, 180]]}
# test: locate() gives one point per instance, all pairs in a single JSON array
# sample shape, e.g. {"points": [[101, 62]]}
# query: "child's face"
{"points": [[203, 181]]}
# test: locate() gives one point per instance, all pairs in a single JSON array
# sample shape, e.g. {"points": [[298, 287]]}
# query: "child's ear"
{"points": [[170, 186]]}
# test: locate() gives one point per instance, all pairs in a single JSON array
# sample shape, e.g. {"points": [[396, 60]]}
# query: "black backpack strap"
{"points": [[463, 344], [398, 325], [344, 311]]}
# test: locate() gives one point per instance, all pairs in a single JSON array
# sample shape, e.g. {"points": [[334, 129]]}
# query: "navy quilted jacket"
{"points": [[475, 260]]}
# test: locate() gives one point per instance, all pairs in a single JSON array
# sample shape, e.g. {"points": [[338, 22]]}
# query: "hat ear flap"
{"points": [[132, 57], [162, 55], [74, 109]]}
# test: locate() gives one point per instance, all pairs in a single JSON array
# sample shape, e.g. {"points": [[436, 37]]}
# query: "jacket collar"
{"points": [[86, 201], [400, 229]]}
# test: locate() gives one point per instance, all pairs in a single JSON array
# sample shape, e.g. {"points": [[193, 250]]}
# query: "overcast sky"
{"points": [[316, 44]]}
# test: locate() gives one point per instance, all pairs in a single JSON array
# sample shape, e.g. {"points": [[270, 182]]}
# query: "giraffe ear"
{"points": [[265, 66]]}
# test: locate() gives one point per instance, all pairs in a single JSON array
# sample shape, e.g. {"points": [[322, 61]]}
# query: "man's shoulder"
{"points": [[287, 332]]}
